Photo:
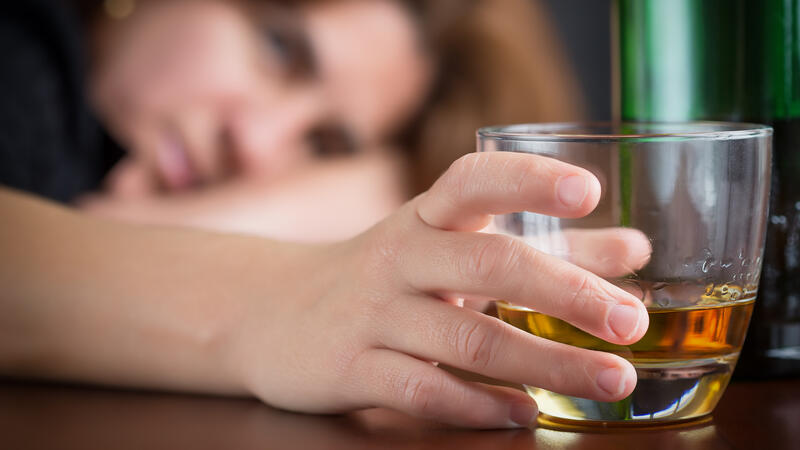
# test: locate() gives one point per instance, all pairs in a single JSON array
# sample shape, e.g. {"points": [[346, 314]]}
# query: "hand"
{"points": [[363, 320]]}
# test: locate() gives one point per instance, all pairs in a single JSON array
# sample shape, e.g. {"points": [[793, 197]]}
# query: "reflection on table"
{"points": [[40, 416]]}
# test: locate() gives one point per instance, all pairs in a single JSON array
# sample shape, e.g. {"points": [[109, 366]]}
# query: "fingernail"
{"points": [[523, 413], [572, 190], [611, 381], [624, 321]]}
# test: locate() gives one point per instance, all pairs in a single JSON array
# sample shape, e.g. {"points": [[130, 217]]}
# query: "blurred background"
{"points": [[584, 28], [300, 120]]}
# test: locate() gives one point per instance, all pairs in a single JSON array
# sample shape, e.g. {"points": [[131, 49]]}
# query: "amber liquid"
{"points": [[683, 362]]}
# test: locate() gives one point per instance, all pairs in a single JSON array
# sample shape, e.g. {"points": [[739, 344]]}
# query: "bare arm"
{"points": [[319, 328], [326, 201], [85, 299]]}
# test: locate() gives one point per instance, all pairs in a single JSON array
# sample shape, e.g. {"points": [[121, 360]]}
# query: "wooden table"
{"points": [[763, 415]]}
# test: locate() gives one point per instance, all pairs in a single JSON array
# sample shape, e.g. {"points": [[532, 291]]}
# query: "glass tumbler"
{"points": [[694, 195]]}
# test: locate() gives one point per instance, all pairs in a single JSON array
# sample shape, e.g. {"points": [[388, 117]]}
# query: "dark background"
{"points": [[585, 30]]}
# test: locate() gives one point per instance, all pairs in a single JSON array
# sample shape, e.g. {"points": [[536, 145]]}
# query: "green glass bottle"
{"points": [[734, 60]]}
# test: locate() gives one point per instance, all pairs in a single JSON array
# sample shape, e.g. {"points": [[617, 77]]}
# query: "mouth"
{"points": [[174, 165]]}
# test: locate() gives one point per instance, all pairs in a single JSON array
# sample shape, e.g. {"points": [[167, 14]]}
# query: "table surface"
{"points": [[751, 415]]}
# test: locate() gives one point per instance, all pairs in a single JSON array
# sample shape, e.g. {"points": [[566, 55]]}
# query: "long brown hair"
{"points": [[499, 62]]}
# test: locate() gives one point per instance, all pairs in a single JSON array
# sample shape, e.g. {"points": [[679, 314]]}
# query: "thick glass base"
{"points": [[593, 426], [666, 392]]}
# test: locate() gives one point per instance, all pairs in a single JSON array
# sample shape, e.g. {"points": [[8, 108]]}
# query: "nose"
{"points": [[268, 137]]}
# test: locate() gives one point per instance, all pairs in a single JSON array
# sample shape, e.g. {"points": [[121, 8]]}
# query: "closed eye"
{"points": [[332, 139], [285, 35]]}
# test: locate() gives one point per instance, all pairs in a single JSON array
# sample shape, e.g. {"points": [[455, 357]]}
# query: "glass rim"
{"points": [[685, 130]]}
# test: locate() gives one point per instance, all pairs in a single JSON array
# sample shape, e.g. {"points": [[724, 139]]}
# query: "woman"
{"points": [[311, 120], [314, 328]]}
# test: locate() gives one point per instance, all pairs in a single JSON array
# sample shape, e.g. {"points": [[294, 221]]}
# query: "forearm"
{"points": [[103, 302], [327, 201]]}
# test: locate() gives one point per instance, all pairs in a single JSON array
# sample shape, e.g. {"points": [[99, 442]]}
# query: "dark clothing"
{"points": [[50, 142]]}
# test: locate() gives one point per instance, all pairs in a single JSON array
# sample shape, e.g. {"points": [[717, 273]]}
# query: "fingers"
{"points": [[131, 179], [480, 184], [500, 267], [423, 390], [483, 344], [608, 252]]}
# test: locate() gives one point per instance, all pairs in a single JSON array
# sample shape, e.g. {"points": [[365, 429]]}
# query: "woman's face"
{"points": [[202, 90]]}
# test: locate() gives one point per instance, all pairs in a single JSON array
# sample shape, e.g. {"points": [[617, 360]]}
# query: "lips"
{"points": [[173, 162]]}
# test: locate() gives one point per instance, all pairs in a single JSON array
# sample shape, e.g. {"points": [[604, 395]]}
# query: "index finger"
{"points": [[478, 185]]}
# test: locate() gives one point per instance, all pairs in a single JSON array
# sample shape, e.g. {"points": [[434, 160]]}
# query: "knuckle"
{"points": [[418, 391], [374, 306], [477, 343], [384, 247], [468, 164], [582, 290], [491, 258], [526, 170], [378, 263], [348, 365], [554, 380], [462, 173], [559, 377]]}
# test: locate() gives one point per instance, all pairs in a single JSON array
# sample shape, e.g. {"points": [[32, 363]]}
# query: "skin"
{"points": [[327, 327], [214, 115]]}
